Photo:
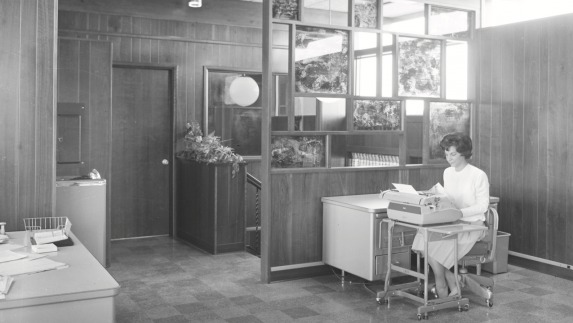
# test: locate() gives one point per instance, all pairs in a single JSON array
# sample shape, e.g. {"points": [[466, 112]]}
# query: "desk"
{"points": [[354, 236], [448, 231], [84, 292]]}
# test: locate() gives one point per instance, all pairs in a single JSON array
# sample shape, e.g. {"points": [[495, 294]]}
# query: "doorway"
{"points": [[142, 151]]}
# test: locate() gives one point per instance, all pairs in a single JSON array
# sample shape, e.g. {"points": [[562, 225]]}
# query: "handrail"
{"points": [[255, 246], [254, 181]]}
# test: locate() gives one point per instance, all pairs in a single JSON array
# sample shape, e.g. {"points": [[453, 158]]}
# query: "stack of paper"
{"points": [[5, 283], [49, 236], [43, 248]]}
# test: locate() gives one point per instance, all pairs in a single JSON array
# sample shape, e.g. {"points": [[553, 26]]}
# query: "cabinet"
{"points": [[210, 211], [355, 237]]}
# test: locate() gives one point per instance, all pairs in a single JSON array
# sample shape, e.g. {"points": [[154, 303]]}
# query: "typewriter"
{"points": [[421, 208]]}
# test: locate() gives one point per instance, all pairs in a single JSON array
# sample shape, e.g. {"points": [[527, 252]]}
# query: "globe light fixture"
{"points": [[244, 91], [195, 3]]}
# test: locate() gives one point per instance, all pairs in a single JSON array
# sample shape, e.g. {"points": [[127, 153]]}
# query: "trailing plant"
{"points": [[207, 149]]}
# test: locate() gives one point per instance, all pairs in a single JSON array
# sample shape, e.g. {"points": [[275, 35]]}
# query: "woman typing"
{"points": [[468, 189]]}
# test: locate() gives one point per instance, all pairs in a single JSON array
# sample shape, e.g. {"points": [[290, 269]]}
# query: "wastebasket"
{"points": [[499, 263]]}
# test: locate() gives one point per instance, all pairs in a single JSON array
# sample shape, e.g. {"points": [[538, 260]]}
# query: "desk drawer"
{"points": [[401, 259], [402, 236]]}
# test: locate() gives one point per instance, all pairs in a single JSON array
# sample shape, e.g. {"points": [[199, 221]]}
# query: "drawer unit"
{"points": [[355, 237]]}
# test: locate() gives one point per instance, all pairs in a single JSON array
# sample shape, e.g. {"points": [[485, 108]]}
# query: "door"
{"points": [[141, 152]]}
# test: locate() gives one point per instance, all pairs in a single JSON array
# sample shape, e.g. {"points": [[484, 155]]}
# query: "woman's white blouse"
{"points": [[468, 189]]}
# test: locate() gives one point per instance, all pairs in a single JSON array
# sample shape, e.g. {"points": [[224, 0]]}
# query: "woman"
{"points": [[468, 188]]}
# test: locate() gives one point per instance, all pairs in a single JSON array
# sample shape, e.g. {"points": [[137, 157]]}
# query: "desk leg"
{"points": [[381, 295]]}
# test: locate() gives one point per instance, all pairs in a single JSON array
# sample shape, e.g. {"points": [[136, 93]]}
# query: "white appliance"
{"points": [[83, 201]]}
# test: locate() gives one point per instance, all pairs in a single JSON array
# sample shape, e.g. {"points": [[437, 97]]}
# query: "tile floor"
{"points": [[167, 281]]}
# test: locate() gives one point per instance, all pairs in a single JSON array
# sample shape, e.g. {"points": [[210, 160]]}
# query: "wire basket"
{"points": [[45, 223], [47, 229]]}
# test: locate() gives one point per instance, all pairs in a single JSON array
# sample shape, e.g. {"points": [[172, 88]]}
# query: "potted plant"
{"points": [[207, 149], [210, 196]]}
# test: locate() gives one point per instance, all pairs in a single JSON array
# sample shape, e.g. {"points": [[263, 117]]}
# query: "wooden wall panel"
{"points": [[296, 209], [84, 76], [525, 73], [27, 96]]}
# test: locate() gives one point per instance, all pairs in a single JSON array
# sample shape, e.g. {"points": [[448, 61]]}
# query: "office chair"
{"points": [[482, 252]]}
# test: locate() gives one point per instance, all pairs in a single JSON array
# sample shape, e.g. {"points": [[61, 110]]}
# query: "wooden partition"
{"points": [[296, 208], [525, 142], [27, 109]]}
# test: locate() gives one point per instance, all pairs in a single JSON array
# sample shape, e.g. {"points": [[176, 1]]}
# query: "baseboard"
{"points": [[541, 267], [299, 273]]}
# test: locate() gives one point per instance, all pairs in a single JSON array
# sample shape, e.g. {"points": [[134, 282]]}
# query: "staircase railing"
{"points": [[254, 247]]}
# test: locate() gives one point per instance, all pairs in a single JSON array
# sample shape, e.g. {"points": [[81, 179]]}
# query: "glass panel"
{"points": [[449, 22], [326, 12], [377, 115], [331, 114], [280, 48], [321, 60], [404, 17], [365, 63], [414, 131], [286, 9], [305, 114], [374, 150], [366, 13], [297, 151], [456, 70], [279, 115], [414, 107], [238, 126], [388, 65], [419, 67], [445, 118]]}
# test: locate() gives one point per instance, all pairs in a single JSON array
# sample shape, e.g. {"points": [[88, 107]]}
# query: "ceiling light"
{"points": [[195, 3]]}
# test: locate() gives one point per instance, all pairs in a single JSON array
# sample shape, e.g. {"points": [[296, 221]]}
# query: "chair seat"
{"points": [[479, 249]]}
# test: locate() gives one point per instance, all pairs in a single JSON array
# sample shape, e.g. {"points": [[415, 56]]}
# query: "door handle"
{"points": [[165, 162]]}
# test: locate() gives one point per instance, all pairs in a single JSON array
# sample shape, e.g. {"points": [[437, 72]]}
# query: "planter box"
{"points": [[210, 206]]}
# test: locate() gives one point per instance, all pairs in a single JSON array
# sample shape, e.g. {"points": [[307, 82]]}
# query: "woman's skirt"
{"points": [[442, 250]]}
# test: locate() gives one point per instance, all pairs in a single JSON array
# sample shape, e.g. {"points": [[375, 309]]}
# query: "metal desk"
{"points": [[84, 292], [448, 231]]}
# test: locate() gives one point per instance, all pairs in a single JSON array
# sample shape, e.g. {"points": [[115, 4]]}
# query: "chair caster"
{"points": [[420, 316], [381, 301], [466, 308], [489, 302]]}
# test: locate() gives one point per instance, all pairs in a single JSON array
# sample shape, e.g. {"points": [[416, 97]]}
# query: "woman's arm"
{"points": [[481, 191]]}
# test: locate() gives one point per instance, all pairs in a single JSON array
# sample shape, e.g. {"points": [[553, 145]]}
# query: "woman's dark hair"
{"points": [[462, 142]]}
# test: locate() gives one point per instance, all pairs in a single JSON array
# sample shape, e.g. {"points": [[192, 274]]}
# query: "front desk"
{"points": [[84, 292]]}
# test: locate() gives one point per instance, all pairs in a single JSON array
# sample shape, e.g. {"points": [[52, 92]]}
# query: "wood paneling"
{"points": [[27, 116], [84, 76], [211, 206], [228, 12], [296, 209], [187, 45], [523, 125]]}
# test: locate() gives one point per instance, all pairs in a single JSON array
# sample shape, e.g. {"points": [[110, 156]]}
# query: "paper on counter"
{"points": [[405, 188], [23, 266], [8, 255]]}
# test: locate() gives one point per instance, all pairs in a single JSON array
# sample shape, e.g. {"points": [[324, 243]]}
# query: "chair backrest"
{"points": [[484, 250], [491, 221]]}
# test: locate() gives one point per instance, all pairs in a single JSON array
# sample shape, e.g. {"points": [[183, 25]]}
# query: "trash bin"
{"points": [[499, 263]]}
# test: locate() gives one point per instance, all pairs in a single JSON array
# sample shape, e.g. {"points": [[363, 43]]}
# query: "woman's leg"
{"points": [[440, 277], [451, 281]]}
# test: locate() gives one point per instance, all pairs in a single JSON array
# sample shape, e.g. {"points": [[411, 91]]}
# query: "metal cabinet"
{"points": [[355, 237]]}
